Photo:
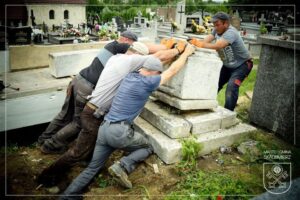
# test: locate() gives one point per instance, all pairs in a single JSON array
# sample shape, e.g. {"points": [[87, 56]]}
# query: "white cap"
{"points": [[140, 48]]}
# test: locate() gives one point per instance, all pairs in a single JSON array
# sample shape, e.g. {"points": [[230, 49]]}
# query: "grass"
{"points": [[247, 85], [209, 185], [237, 177]]}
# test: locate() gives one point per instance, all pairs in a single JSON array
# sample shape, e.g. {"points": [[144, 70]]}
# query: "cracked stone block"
{"points": [[188, 104], [173, 125]]}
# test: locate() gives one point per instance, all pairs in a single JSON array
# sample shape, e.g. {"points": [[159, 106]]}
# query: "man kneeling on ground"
{"points": [[116, 131]]}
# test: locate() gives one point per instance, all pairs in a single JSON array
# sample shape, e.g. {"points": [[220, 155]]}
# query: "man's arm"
{"points": [[209, 38], [177, 65], [221, 43]]}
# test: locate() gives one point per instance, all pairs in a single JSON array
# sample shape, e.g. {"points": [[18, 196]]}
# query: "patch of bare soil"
{"points": [[25, 164]]}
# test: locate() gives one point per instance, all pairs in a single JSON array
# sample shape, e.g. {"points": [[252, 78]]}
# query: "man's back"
{"points": [[116, 69], [131, 97]]}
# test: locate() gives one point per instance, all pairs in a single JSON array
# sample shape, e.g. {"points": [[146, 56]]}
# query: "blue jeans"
{"points": [[234, 78], [111, 136]]}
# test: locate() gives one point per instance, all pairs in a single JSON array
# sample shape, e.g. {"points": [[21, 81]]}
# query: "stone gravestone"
{"points": [[180, 16], [276, 96], [196, 17], [187, 106]]}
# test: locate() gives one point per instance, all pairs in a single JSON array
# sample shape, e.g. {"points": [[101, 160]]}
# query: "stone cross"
{"points": [[180, 13]]}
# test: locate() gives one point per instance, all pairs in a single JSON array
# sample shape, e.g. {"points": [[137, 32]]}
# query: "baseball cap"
{"points": [[140, 48], [129, 35], [220, 16], [152, 63]]}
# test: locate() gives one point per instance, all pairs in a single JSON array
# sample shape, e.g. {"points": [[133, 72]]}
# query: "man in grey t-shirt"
{"points": [[236, 59]]}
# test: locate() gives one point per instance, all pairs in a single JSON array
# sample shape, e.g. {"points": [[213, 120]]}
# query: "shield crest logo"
{"points": [[277, 177]]}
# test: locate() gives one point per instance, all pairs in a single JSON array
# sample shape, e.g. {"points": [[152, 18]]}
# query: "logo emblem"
{"points": [[277, 175]]}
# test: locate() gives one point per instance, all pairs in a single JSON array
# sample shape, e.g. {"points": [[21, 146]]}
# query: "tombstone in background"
{"points": [[140, 21], [167, 13], [19, 35], [276, 96], [196, 17], [180, 16]]}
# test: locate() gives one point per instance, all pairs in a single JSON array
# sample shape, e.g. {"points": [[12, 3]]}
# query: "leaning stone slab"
{"points": [[185, 104], [167, 149], [64, 64], [160, 116]]}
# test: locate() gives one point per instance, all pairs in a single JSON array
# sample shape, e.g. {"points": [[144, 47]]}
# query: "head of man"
{"points": [[138, 48], [152, 66], [128, 37], [221, 22]]}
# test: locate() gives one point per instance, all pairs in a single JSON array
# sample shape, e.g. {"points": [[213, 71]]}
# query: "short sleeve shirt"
{"points": [[132, 96], [117, 67], [235, 53]]}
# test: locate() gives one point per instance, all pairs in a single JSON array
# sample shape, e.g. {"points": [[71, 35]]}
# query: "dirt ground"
{"points": [[25, 162]]}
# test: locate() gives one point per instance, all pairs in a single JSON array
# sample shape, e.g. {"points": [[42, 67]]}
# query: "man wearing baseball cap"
{"points": [[116, 68], [237, 63], [116, 131], [65, 127]]}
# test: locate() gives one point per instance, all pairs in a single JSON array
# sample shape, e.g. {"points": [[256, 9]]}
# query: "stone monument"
{"points": [[275, 102], [180, 15], [186, 106]]}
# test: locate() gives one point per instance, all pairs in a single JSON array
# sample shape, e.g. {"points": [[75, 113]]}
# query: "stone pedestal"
{"points": [[186, 107], [275, 102], [198, 79]]}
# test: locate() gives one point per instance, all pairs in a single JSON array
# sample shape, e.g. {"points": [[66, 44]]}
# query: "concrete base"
{"points": [[160, 116], [175, 125], [30, 110], [203, 122], [169, 150], [185, 104], [70, 63]]}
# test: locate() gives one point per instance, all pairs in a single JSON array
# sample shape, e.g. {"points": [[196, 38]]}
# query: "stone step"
{"points": [[169, 150], [176, 125], [186, 104], [160, 116], [207, 121]]}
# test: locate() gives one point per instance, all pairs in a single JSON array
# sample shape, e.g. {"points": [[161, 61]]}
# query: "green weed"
{"points": [[208, 185], [102, 182]]}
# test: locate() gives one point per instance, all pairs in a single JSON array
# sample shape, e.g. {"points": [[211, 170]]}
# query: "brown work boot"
{"points": [[119, 174], [181, 46], [169, 43]]}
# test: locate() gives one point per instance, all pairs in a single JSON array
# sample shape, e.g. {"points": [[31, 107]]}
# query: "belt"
{"points": [[118, 122], [92, 106]]}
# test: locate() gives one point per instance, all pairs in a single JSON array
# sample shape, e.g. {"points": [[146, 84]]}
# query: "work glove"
{"points": [[169, 43], [180, 46], [195, 42]]}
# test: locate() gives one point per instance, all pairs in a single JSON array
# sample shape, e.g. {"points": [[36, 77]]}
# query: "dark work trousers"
{"points": [[234, 78], [81, 151], [112, 136], [65, 127]]}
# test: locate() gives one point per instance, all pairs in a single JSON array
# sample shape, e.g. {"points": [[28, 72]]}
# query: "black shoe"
{"points": [[119, 175], [47, 150]]}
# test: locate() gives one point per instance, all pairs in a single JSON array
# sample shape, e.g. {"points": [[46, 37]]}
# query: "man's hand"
{"points": [[196, 42], [189, 50]]}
